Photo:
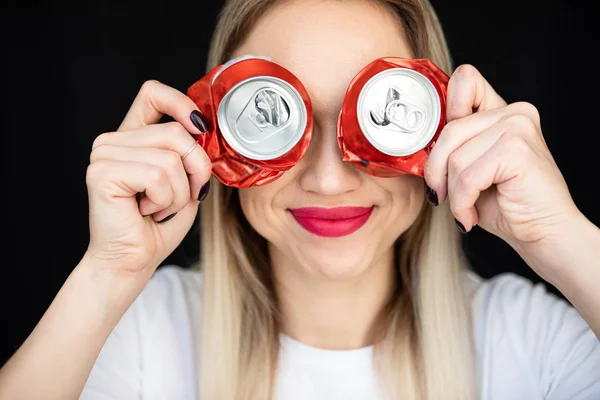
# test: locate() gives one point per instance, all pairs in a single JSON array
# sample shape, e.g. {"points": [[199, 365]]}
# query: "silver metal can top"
{"points": [[399, 111], [262, 117]]}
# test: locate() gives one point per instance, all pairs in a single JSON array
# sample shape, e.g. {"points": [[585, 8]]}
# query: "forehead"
{"points": [[326, 42]]}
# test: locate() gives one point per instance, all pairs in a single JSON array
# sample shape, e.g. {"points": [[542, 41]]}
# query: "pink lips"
{"points": [[332, 222]]}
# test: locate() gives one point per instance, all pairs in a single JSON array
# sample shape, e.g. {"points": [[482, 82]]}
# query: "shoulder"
{"points": [[510, 299], [172, 293], [508, 292], [514, 303], [171, 281], [532, 340]]}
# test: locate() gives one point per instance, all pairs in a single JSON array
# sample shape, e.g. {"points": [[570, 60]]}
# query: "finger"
{"points": [[167, 160], [156, 99], [121, 179], [456, 133], [170, 136], [498, 165], [461, 160], [468, 91]]}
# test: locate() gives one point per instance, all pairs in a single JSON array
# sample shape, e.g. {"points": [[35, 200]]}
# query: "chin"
{"points": [[344, 263]]}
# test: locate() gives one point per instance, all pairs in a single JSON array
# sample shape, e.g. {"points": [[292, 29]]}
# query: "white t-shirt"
{"points": [[530, 345]]}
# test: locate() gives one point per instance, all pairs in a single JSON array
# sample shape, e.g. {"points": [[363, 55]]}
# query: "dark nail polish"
{"points": [[461, 227], [200, 121], [204, 191], [431, 196], [167, 218]]}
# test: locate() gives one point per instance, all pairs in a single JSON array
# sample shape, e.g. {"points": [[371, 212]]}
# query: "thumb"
{"points": [[469, 92]]}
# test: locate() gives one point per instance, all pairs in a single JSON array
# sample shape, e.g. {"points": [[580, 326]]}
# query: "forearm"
{"points": [[574, 265], [56, 359]]}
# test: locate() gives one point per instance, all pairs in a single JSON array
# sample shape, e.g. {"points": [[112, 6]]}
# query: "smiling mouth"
{"points": [[332, 222]]}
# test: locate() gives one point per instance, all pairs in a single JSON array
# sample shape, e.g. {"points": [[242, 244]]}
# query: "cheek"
{"points": [[406, 195], [404, 186], [257, 205], [250, 203]]}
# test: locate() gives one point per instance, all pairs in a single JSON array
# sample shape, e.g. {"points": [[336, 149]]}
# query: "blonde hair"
{"points": [[425, 347]]}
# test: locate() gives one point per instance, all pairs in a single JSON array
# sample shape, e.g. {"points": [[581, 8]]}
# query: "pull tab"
{"points": [[270, 109], [264, 116], [407, 117]]}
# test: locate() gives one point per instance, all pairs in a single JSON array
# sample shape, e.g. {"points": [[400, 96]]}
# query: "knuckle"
{"points": [[466, 70], [172, 161], [100, 139], [522, 123], [149, 86], [98, 152], [95, 172], [449, 131], [455, 162], [515, 144], [450, 136], [155, 175], [530, 110], [95, 155], [175, 131], [97, 141]]}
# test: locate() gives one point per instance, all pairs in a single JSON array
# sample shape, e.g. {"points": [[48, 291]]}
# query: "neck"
{"points": [[332, 314]]}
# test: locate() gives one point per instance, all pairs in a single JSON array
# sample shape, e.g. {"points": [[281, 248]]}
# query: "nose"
{"points": [[324, 172]]}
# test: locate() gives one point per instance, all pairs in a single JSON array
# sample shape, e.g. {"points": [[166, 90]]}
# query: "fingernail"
{"points": [[200, 121], [204, 191], [167, 218], [461, 227], [432, 196]]}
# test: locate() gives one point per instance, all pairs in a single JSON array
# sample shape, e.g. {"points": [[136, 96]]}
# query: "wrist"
{"points": [[567, 256], [114, 288]]}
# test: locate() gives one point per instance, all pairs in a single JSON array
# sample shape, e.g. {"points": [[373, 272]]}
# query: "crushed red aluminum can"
{"points": [[393, 112], [261, 120]]}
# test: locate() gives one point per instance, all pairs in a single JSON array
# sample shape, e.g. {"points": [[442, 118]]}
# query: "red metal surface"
{"points": [[353, 144]]}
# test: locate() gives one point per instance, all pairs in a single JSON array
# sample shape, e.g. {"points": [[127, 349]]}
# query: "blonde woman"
{"points": [[389, 311]]}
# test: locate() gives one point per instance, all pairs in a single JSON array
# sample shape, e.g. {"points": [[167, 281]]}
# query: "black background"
{"points": [[70, 74]]}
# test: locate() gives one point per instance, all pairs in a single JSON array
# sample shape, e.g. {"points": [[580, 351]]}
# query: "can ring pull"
{"points": [[270, 109], [406, 116]]}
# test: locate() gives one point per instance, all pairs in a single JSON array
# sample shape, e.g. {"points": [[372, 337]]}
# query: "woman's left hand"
{"points": [[491, 162]]}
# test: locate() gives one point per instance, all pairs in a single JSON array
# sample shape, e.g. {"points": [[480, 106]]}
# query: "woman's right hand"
{"points": [[138, 177], [127, 243]]}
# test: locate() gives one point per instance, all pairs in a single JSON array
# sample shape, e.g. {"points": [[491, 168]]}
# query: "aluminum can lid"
{"points": [[399, 111], [262, 117]]}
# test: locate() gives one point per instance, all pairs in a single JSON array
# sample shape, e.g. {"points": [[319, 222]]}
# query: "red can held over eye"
{"points": [[261, 120], [393, 112]]}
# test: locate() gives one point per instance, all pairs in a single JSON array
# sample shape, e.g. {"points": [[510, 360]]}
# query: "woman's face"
{"points": [[325, 44]]}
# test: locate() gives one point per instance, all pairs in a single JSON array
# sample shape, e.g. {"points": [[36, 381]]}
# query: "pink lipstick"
{"points": [[332, 222]]}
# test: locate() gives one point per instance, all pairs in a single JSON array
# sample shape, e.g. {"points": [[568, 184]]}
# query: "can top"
{"points": [[262, 117], [399, 111]]}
